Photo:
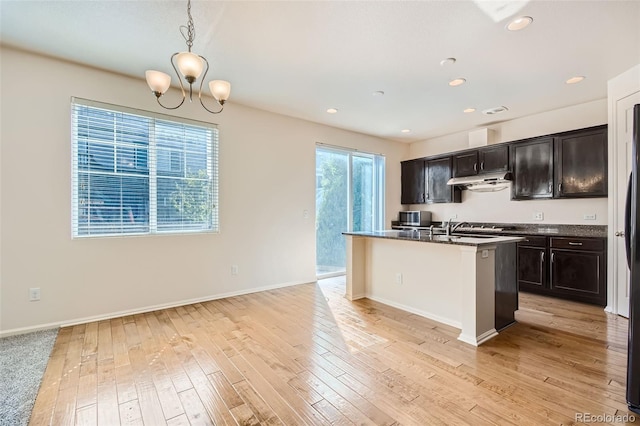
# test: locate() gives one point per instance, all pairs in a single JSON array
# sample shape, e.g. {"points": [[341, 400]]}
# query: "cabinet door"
{"points": [[494, 159], [412, 181], [579, 274], [532, 164], [465, 164], [438, 173], [531, 268], [581, 164]]}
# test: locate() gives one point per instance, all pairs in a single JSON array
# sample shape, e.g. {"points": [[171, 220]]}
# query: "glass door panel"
{"points": [[332, 206]]}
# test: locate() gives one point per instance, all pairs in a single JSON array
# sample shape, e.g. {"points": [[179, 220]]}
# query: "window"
{"points": [[137, 172]]}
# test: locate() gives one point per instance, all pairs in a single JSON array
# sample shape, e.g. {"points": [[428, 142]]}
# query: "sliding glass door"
{"points": [[349, 197]]}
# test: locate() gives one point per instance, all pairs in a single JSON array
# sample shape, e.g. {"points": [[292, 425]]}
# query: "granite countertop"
{"points": [[425, 237], [542, 229]]}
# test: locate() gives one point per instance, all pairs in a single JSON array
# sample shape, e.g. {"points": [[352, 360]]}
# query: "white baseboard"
{"points": [[412, 310], [142, 310], [478, 340]]}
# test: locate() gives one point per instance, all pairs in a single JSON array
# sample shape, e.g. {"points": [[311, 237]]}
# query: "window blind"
{"points": [[136, 172]]}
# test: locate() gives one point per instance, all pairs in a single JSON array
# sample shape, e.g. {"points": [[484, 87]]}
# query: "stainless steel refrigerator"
{"points": [[632, 227]]}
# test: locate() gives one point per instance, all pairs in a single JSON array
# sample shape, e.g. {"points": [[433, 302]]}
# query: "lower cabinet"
{"points": [[577, 269], [569, 268], [532, 269]]}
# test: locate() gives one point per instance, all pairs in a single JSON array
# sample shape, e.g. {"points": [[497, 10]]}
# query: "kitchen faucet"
{"points": [[450, 229]]}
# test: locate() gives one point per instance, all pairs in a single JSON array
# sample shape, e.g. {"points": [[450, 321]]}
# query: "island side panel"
{"points": [[478, 297], [356, 267], [429, 281]]}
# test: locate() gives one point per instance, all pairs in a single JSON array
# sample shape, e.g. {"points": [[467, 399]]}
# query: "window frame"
{"points": [[211, 160]]}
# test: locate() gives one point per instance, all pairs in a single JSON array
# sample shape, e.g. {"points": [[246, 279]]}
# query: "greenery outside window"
{"points": [[137, 172]]}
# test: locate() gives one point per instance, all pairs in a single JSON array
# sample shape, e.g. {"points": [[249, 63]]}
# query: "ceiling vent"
{"points": [[495, 110], [481, 137]]}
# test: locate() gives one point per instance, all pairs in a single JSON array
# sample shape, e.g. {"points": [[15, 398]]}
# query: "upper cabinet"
{"points": [[412, 179], [425, 181], [581, 163], [483, 160], [438, 172], [532, 169], [563, 165], [465, 163], [494, 159]]}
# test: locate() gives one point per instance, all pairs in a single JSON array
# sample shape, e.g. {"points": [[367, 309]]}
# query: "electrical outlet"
{"points": [[305, 214], [34, 294], [234, 269], [484, 254], [538, 216], [589, 216], [399, 278]]}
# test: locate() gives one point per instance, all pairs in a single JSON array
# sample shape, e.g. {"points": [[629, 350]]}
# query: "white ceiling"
{"points": [[299, 58]]}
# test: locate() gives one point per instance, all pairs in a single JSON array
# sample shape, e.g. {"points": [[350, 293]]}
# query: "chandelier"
{"points": [[191, 66]]}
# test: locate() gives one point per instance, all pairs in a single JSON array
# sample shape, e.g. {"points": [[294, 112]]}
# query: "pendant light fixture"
{"points": [[189, 66]]}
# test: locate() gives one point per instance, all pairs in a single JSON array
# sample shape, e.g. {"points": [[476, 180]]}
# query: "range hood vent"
{"points": [[488, 182]]}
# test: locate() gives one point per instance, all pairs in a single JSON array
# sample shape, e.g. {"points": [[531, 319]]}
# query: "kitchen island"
{"points": [[454, 280]]}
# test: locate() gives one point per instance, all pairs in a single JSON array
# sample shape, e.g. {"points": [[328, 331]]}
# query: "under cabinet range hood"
{"points": [[487, 182]]}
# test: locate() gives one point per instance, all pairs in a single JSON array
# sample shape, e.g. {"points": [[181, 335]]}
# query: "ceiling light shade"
{"points": [[519, 23], [220, 90], [189, 66], [457, 82], [332, 110], [158, 82], [468, 110]]}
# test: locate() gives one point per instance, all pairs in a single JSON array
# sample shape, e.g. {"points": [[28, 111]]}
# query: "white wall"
{"points": [[497, 207], [267, 179]]}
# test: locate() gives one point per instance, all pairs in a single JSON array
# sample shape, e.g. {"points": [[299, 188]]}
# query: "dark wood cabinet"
{"points": [[532, 270], [438, 172], [532, 168], [493, 159], [578, 269], [563, 165], [569, 268], [484, 160], [581, 163], [465, 163], [413, 181]]}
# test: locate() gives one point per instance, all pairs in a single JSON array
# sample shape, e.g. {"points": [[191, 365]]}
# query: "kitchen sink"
{"points": [[475, 235]]}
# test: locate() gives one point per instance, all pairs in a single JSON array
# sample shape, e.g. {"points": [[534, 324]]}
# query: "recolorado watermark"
{"points": [[604, 418]]}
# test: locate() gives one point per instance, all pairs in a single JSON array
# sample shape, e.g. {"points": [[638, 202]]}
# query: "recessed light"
{"points": [[457, 82], [406, 130], [467, 110], [378, 93], [519, 23], [447, 61], [332, 110], [495, 110], [576, 79]]}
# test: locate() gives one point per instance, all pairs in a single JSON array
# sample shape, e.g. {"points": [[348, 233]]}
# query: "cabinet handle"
{"points": [[619, 234], [550, 186], [482, 166], [571, 243], [542, 256], [475, 167], [553, 255], [560, 187]]}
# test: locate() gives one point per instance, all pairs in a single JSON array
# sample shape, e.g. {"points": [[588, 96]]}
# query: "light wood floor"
{"points": [[305, 355]]}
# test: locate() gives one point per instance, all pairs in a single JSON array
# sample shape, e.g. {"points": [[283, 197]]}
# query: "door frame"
{"points": [[623, 86]]}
